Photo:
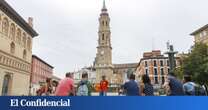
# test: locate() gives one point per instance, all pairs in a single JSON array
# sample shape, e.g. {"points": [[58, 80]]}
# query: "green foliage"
{"points": [[179, 73], [196, 64]]}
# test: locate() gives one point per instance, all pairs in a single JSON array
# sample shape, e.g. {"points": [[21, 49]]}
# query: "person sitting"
{"points": [[66, 86], [188, 86], [148, 89], [84, 86], [175, 85], [131, 87]]}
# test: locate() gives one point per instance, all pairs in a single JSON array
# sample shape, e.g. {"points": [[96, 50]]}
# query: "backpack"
{"points": [[189, 88], [82, 90]]}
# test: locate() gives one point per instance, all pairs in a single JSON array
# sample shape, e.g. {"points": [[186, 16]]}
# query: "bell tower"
{"points": [[103, 63]]}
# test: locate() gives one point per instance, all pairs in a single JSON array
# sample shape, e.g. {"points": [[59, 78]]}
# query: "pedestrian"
{"points": [[66, 86], [55, 84], [147, 89], [175, 85], [103, 86], [40, 91], [131, 87], [188, 86], [84, 86], [46, 89]]}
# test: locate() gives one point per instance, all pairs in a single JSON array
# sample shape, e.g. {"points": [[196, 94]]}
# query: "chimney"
{"points": [[30, 21]]}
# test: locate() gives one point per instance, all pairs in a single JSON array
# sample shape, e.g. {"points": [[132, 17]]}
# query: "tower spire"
{"points": [[104, 9], [104, 6]]}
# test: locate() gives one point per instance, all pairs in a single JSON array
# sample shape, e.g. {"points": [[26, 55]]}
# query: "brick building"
{"points": [[155, 65], [40, 71]]}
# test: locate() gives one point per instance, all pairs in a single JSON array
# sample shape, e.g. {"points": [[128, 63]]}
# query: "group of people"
{"points": [[66, 87], [48, 88], [172, 87], [132, 88]]}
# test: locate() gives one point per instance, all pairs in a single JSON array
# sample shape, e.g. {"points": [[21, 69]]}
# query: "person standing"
{"points": [[131, 87], [47, 89], [84, 86], [103, 86], [54, 84], [66, 86], [175, 85], [147, 89]]}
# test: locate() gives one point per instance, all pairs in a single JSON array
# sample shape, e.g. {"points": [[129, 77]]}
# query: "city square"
{"points": [[32, 60]]}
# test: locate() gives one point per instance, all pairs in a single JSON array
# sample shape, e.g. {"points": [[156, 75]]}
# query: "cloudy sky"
{"points": [[68, 28]]}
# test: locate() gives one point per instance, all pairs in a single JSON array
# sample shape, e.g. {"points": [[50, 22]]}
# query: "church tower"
{"points": [[103, 62]]}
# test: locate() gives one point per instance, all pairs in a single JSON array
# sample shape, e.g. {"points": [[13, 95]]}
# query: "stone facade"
{"points": [[91, 75], [103, 61], [121, 72], [115, 73], [201, 35], [156, 66], [15, 52]]}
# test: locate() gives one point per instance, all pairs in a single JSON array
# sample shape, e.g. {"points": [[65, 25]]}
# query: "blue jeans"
{"points": [[103, 93]]}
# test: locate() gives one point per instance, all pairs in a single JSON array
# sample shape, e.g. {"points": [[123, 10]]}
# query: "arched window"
{"points": [[103, 22], [12, 48], [6, 85], [5, 26], [28, 43], [24, 40], [155, 63], [24, 54], [103, 36], [106, 23], [18, 36], [12, 31]]}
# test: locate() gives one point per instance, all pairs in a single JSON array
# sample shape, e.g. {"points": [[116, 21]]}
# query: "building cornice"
{"points": [[15, 57], [199, 30], [36, 57]]}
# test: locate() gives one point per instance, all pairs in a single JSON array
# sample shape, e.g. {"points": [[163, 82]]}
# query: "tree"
{"points": [[179, 73], [196, 63]]}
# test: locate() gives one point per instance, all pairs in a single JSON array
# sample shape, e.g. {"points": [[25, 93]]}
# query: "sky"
{"points": [[68, 29]]}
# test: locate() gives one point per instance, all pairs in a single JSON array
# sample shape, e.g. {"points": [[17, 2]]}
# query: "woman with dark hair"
{"points": [[148, 88], [48, 87]]}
